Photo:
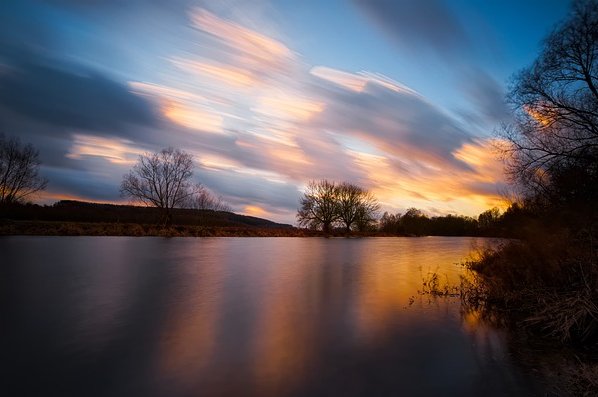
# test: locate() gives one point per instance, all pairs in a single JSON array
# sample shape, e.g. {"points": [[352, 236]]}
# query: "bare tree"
{"points": [[319, 206], [19, 171], [356, 206], [349, 200], [162, 180], [367, 212], [203, 199], [325, 203], [556, 103]]}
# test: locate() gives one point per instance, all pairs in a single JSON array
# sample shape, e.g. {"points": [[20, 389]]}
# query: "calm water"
{"points": [[117, 316]]}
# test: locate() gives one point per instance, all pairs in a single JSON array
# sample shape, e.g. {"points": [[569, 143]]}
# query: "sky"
{"points": [[401, 97]]}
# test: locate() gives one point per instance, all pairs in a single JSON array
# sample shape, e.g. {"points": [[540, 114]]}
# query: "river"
{"points": [[120, 316]]}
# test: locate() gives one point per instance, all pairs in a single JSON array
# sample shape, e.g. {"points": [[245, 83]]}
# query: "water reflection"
{"points": [[243, 317]]}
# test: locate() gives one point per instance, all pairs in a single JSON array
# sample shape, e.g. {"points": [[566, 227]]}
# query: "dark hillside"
{"points": [[79, 211]]}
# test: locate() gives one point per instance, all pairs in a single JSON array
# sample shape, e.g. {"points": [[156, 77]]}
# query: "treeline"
{"points": [[333, 208], [490, 223]]}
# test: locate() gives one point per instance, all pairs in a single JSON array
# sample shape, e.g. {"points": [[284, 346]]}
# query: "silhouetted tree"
{"points": [[489, 218], [452, 225], [325, 204], [391, 223], [319, 207], [556, 103], [19, 171], [356, 206], [349, 198], [203, 199], [367, 212], [162, 180], [414, 221]]}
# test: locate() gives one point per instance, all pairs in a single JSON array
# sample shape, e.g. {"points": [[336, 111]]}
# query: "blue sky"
{"points": [[399, 96]]}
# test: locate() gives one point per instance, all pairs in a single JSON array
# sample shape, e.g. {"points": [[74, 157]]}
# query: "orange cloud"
{"points": [[257, 47], [483, 156], [216, 162], [162, 91], [182, 107], [350, 81], [358, 81], [288, 107], [192, 117], [231, 75], [254, 210], [50, 197], [431, 188], [541, 117]]}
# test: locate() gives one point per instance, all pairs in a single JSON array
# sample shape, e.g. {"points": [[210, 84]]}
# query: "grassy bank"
{"points": [[44, 228], [545, 288], [52, 228]]}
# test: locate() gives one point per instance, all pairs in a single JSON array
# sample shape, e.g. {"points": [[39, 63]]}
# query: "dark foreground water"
{"points": [[117, 316]]}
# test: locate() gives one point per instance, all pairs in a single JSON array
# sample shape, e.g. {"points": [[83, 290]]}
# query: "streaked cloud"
{"points": [[260, 57], [192, 117], [259, 118], [234, 76], [114, 150], [281, 105], [358, 81], [347, 80], [255, 48]]}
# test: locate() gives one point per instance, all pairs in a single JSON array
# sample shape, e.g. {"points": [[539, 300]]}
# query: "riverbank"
{"points": [[49, 228], [545, 290], [57, 228]]}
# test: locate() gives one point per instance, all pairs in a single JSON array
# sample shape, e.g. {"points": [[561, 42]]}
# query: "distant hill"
{"points": [[80, 211]]}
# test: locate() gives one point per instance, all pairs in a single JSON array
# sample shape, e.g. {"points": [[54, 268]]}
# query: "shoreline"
{"points": [[61, 228]]}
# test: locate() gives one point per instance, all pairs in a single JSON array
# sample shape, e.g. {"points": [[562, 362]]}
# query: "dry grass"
{"points": [[558, 300], [546, 287], [133, 229], [570, 316], [433, 286]]}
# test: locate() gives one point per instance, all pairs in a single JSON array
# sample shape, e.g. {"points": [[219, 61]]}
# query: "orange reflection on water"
{"points": [[391, 283], [283, 344], [262, 318], [189, 337]]}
